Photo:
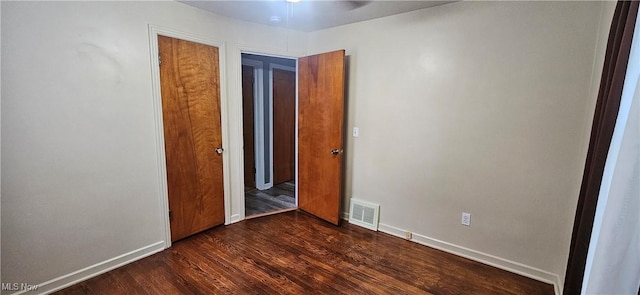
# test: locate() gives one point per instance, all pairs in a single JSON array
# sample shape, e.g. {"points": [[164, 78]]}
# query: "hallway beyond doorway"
{"points": [[279, 197]]}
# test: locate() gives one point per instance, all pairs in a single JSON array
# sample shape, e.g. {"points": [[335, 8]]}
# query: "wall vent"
{"points": [[364, 214]]}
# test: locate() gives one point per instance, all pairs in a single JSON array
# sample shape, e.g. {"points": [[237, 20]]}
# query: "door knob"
{"points": [[219, 150], [336, 151]]}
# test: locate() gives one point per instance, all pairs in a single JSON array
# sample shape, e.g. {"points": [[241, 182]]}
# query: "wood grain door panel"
{"points": [[190, 86], [320, 129], [248, 126], [284, 125]]}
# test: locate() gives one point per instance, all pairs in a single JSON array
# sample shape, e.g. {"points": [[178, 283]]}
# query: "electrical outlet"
{"points": [[466, 219], [356, 131], [407, 235]]}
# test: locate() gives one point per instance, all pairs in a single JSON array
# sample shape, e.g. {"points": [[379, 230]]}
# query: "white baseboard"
{"points": [[501, 263], [234, 218], [559, 285], [86, 273], [345, 216]]}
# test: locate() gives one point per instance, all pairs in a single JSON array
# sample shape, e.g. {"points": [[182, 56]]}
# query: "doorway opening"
{"points": [[269, 118]]}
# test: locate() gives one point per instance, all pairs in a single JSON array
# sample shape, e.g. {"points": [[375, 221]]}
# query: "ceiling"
{"points": [[309, 15]]}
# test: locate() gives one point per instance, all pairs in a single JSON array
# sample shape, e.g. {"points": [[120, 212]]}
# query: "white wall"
{"points": [[481, 107], [80, 179], [0, 149]]}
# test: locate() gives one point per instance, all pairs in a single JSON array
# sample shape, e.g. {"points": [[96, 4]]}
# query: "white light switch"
{"points": [[356, 131]]}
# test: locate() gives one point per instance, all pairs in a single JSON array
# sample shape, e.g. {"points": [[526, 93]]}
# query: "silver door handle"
{"points": [[336, 151], [219, 150]]}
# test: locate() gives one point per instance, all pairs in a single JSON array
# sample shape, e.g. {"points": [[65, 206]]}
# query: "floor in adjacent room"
{"points": [[296, 253], [279, 197]]}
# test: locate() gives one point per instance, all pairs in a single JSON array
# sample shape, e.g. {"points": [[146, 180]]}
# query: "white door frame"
{"points": [[154, 32]]}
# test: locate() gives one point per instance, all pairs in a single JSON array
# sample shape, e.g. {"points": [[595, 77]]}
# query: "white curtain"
{"points": [[613, 261]]}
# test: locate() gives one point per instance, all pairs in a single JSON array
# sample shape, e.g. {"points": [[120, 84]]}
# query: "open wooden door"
{"points": [[284, 126], [248, 127], [190, 86], [320, 128]]}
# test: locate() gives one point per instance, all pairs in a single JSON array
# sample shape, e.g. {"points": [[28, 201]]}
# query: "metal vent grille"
{"points": [[364, 214]]}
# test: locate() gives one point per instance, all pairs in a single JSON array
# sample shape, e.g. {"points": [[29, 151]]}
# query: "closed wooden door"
{"points": [[320, 123], [248, 126], [284, 125], [190, 85]]}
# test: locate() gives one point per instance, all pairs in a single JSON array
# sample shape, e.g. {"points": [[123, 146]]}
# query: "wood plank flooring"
{"points": [[295, 253], [279, 197]]}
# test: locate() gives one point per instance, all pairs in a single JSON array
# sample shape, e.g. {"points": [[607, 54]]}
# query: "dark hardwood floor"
{"points": [[295, 253], [279, 197]]}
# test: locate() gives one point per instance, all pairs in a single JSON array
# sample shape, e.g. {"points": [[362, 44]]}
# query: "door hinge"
{"points": [[170, 216], [159, 59]]}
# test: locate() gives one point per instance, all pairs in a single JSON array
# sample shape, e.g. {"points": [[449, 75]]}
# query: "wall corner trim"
{"points": [[99, 268], [501, 263]]}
